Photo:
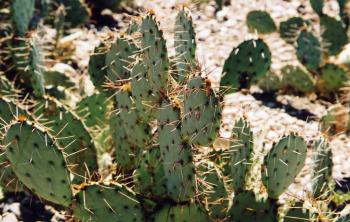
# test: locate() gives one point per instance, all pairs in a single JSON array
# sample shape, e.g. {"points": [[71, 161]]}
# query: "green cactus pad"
{"points": [[72, 135], [297, 78], [93, 110], [247, 208], [242, 151], [54, 79], [298, 213], [99, 202], [77, 12], [22, 12], [290, 29], [309, 50], [317, 6], [332, 78], [38, 162], [202, 113], [333, 35], [282, 164], [246, 64], [216, 195], [322, 168], [185, 45], [261, 22], [180, 213], [130, 134], [36, 65], [271, 82], [155, 56], [142, 92], [119, 58], [97, 66], [8, 179], [176, 154], [149, 176]]}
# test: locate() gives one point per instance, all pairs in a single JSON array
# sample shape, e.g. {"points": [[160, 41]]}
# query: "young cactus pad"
{"points": [[38, 162], [282, 164], [261, 21], [247, 63]]}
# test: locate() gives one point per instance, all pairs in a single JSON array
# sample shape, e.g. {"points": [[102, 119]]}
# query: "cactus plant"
{"points": [[260, 21]]}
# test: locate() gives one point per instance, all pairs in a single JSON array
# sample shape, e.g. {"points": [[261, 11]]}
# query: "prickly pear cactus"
{"points": [[97, 65], [217, 196], [185, 46], [332, 78], [202, 112], [119, 58], [150, 178], [188, 212], [155, 55], [317, 6], [261, 22], [322, 169], [107, 202], [38, 162], [77, 12], [333, 35], [73, 137], [176, 154], [22, 12], [309, 50], [248, 208], [282, 164], [298, 213], [298, 79], [246, 64], [290, 28], [241, 154]]}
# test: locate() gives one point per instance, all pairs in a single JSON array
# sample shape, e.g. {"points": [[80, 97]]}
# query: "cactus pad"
{"points": [[119, 58], [22, 12], [185, 45], [298, 213], [309, 51], [332, 78], [180, 213], [261, 22], [247, 208], [297, 78], [322, 168], [247, 63], [150, 179], [155, 56], [333, 34], [242, 152], [38, 162], [282, 164], [176, 154], [202, 112], [99, 202], [72, 136], [97, 65], [290, 29]]}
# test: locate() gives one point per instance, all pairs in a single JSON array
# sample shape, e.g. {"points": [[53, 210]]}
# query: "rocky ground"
{"points": [[217, 34]]}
